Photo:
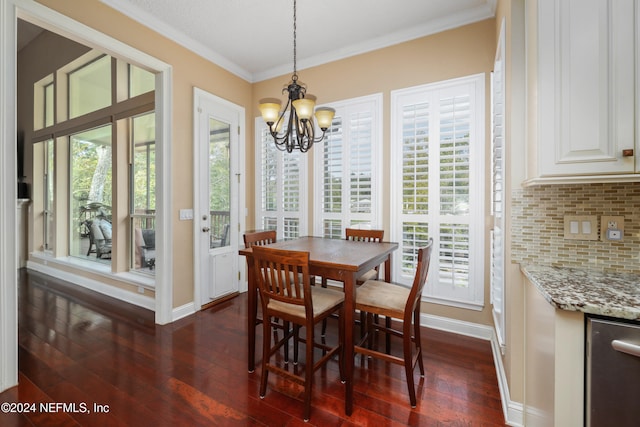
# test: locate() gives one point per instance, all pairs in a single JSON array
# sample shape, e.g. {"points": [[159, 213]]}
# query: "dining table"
{"points": [[340, 260]]}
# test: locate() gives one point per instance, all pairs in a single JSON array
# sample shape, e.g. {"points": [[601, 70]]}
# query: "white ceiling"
{"points": [[254, 38]]}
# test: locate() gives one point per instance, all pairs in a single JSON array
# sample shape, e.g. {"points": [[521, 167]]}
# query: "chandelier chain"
{"points": [[295, 69]]}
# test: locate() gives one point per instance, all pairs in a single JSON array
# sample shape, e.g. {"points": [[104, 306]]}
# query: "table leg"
{"points": [[387, 269], [252, 313], [387, 320], [349, 307]]}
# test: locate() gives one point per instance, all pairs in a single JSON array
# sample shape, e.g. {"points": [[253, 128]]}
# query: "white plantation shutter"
{"points": [[437, 186], [280, 180], [415, 183], [347, 171], [498, 190], [455, 118], [332, 180]]}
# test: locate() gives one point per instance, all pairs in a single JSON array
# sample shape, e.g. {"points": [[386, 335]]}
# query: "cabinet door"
{"points": [[586, 86]]}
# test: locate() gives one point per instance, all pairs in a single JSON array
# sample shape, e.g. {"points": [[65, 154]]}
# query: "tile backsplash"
{"points": [[538, 226]]}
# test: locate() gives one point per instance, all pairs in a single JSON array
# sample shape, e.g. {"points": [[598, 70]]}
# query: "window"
{"points": [[437, 171], [49, 194], [140, 81], [142, 177], [347, 169], [219, 182], [83, 175], [91, 193], [43, 105], [90, 87], [48, 105], [280, 182]]}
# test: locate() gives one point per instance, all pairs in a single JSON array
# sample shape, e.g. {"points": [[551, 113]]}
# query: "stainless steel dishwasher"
{"points": [[612, 373]]}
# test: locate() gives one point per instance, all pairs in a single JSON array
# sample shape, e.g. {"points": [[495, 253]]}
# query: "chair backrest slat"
{"points": [[259, 238], [283, 275], [364, 235]]}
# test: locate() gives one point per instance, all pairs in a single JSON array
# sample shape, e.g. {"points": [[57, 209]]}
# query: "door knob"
{"points": [[205, 229], [627, 153]]}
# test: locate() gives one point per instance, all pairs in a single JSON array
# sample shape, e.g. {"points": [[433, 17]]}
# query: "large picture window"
{"points": [[437, 172], [82, 105]]}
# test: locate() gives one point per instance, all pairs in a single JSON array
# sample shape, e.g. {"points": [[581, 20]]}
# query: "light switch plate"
{"points": [[581, 227], [186, 214]]}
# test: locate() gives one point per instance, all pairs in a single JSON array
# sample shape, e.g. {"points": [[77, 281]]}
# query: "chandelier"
{"points": [[300, 130]]}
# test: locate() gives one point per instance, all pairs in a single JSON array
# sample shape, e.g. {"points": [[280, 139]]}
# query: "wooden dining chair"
{"points": [[258, 238], [398, 302], [286, 293], [374, 236], [261, 238], [360, 235]]}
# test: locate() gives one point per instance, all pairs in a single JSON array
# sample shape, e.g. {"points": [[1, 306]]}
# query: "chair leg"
{"points": [[323, 283], [266, 349], [296, 341], [285, 329], [387, 324], [417, 340], [371, 329], [308, 371], [341, 332], [408, 362]]}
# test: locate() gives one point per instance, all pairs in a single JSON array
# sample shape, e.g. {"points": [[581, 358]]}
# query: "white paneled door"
{"points": [[216, 220]]}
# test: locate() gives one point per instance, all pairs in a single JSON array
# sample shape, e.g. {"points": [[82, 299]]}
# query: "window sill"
{"points": [[131, 278]]}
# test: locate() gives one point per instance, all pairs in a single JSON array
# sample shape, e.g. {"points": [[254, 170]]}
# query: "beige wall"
{"points": [[455, 53]]}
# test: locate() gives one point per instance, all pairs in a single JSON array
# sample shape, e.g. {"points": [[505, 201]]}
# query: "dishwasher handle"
{"points": [[626, 347]]}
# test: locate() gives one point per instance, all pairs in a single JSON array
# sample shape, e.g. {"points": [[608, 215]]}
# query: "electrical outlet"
{"points": [[611, 228], [614, 234]]}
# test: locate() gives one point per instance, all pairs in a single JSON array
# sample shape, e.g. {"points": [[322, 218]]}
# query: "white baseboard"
{"points": [[94, 285], [183, 311], [513, 411]]}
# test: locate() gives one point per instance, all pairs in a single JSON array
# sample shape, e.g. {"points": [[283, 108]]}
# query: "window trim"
{"points": [[475, 298]]}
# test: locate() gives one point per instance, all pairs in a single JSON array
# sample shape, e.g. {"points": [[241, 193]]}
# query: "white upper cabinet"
{"points": [[585, 112]]}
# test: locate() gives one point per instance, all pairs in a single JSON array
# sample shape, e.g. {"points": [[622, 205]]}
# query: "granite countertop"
{"points": [[607, 294]]}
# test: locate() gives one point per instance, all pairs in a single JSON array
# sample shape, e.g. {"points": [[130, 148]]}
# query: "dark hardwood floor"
{"points": [[88, 360]]}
